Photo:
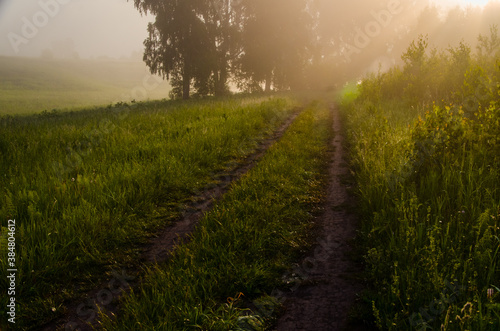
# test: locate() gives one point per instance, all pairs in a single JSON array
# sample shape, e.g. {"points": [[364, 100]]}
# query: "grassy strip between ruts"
{"points": [[243, 245], [85, 188]]}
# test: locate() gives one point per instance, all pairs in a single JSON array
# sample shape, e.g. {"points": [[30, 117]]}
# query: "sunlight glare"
{"points": [[462, 3]]}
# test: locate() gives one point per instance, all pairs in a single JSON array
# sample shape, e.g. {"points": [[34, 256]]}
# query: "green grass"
{"points": [[242, 247], [32, 85], [430, 204], [425, 150], [87, 187]]}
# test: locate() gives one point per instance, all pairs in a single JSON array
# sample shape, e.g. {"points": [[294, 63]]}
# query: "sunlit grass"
{"points": [[430, 203], [243, 245], [87, 187]]}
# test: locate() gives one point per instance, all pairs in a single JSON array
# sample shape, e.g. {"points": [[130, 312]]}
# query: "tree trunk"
{"points": [[221, 89], [221, 79], [268, 83], [186, 85], [216, 82]]}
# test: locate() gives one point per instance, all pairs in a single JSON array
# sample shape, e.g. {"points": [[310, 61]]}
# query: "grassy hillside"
{"points": [[31, 85], [425, 151], [89, 186]]}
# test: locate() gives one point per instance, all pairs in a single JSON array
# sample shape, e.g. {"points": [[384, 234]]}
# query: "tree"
{"points": [[176, 42], [416, 68], [194, 41], [275, 38], [223, 20]]}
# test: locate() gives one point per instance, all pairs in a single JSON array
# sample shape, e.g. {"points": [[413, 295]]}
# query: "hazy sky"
{"points": [[97, 27], [461, 2]]}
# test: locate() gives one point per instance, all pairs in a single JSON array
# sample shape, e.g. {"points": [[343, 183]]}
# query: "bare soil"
{"points": [[83, 314], [330, 279]]}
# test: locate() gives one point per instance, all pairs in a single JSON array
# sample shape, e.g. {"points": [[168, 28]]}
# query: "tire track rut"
{"points": [[83, 314]]}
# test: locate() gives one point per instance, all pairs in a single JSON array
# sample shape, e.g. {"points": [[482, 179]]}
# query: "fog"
{"points": [[452, 3], [362, 36], [350, 39], [114, 28], [88, 28]]}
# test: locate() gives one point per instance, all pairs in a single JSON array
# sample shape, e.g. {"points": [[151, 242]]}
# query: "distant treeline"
{"points": [[203, 47], [456, 75]]}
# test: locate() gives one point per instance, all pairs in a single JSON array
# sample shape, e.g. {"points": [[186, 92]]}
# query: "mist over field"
{"points": [[114, 28], [325, 43], [250, 165], [33, 85], [360, 36], [91, 28]]}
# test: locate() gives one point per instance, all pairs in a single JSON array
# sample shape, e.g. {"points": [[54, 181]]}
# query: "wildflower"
{"points": [[73, 179], [490, 293]]}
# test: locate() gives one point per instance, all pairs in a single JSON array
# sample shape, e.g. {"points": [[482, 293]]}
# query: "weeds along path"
{"points": [[322, 301], [83, 315]]}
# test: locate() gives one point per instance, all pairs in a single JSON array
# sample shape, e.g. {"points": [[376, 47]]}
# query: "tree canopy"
{"points": [[206, 46]]}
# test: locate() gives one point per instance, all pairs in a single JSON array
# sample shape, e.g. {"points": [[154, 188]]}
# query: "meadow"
{"points": [[90, 186], [34, 85], [238, 254], [87, 188], [425, 153]]}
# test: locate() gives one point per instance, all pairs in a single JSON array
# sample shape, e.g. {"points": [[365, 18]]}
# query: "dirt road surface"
{"points": [[330, 279]]}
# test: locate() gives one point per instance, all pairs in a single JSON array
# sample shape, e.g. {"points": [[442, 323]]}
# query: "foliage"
{"points": [[433, 76], [427, 164], [179, 42], [275, 38], [202, 44]]}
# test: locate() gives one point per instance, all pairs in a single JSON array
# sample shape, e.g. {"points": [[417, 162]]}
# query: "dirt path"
{"points": [[329, 286], [82, 314], [172, 235]]}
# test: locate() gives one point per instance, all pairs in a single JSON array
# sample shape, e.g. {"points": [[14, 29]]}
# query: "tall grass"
{"points": [[428, 179], [86, 188], [241, 247]]}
